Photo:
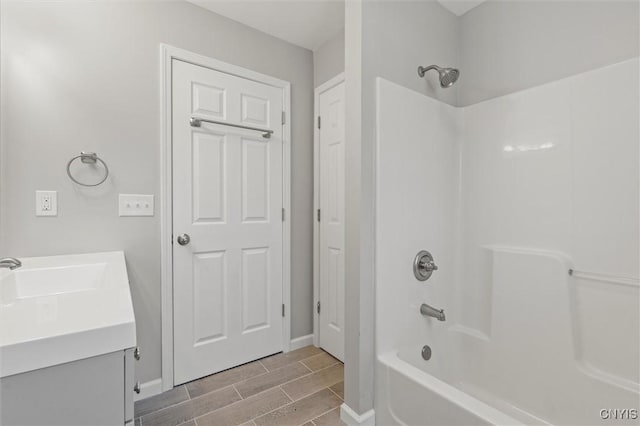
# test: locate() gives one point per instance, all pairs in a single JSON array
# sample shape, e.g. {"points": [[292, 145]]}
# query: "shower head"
{"points": [[448, 76]]}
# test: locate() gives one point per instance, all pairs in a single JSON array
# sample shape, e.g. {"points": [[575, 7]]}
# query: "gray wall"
{"points": [[358, 353], [383, 39], [399, 35], [328, 59], [393, 38], [85, 76], [506, 46]]}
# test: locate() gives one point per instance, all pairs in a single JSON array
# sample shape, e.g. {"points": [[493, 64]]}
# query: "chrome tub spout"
{"points": [[10, 262], [430, 311]]}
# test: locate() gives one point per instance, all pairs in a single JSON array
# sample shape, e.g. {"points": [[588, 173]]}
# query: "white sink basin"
{"points": [[39, 282], [64, 308]]}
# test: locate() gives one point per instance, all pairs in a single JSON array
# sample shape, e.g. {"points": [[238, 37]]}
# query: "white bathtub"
{"points": [[410, 396], [535, 365], [501, 193], [412, 391]]}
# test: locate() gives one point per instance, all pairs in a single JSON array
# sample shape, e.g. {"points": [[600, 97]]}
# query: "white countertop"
{"points": [[60, 309]]}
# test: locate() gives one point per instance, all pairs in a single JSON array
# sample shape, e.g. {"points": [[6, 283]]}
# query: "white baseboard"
{"points": [[148, 389], [352, 418], [301, 342]]}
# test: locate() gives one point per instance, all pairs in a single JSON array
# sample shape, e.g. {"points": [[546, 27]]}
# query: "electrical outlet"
{"points": [[46, 203], [135, 205]]}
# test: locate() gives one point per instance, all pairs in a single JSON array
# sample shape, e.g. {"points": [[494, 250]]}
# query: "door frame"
{"points": [[167, 55], [316, 200]]}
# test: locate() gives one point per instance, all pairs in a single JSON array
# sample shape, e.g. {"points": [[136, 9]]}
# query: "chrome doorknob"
{"points": [[184, 239]]}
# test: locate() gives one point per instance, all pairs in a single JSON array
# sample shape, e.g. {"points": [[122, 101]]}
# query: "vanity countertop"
{"points": [[58, 309]]}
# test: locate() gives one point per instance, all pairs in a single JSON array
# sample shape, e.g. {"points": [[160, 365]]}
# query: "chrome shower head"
{"points": [[448, 76]]}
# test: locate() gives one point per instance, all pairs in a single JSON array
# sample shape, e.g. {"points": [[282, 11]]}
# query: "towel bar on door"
{"points": [[197, 122]]}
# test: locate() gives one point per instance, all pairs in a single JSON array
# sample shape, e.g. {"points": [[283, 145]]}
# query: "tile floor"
{"points": [[302, 387]]}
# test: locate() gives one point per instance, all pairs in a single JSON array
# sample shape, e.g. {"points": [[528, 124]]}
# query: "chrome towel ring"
{"points": [[88, 158]]}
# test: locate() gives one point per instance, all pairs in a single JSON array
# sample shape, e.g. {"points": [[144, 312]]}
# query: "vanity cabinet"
{"points": [[91, 391], [67, 333]]}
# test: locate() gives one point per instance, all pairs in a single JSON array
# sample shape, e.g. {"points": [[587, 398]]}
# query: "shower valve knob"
{"points": [[423, 265], [429, 266]]}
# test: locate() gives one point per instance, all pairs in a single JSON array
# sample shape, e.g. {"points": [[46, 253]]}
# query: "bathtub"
{"points": [[535, 363], [542, 313], [410, 396], [531, 366], [412, 391]]}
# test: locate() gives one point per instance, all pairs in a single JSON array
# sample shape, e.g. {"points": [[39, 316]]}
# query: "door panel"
{"points": [[208, 100], [227, 195], [255, 289], [208, 177], [255, 180], [255, 110], [209, 288], [331, 105]]}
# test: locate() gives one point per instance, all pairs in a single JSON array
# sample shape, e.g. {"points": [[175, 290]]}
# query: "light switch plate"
{"points": [[46, 203], [135, 205]]}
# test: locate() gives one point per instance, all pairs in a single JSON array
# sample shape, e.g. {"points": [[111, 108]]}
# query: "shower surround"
{"points": [[529, 205]]}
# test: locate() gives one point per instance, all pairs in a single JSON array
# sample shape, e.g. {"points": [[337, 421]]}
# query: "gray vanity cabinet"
{"points": [[92, 391]]}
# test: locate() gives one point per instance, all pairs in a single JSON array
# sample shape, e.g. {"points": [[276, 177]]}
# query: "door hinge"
{"points": [[318, 215], [283, 214], [318, 122], [318, 307], [283, 309], [284, 117]]}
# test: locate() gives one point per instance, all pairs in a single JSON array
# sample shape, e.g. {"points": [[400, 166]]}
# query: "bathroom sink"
{"points": [[63, 308], [47, 281]]}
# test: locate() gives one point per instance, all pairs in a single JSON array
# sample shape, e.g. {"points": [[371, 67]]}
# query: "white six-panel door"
{"points": [[227, 197], [331, 231]]}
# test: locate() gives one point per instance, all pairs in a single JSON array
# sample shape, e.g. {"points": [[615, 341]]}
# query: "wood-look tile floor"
{"points": [[302, 387]]}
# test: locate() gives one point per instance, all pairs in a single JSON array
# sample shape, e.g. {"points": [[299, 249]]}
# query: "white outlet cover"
{"points": [[46, 203], [135, 205]]}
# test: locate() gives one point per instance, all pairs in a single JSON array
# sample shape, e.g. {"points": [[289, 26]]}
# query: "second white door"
{"points": [[331, 217], [227, 224]]}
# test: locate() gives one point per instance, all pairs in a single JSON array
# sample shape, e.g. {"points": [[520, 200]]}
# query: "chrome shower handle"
{"points": [[428, 265], [423, 265]]}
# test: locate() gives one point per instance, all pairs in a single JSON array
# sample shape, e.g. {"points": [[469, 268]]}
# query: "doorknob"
{"points": [[184, 239]]}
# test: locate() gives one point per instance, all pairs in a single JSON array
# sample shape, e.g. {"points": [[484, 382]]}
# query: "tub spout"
{"points": [[10, 262], [430, 311]]}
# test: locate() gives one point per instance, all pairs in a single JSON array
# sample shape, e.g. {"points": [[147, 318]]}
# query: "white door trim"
{"points": [[167, 54], [316, 200]]}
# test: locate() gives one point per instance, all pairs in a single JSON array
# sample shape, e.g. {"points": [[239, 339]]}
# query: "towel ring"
{"points": [[88, 158]]}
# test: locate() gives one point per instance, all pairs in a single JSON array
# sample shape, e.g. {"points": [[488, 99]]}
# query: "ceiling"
{"points": [[460, 7], [305, 23]]}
